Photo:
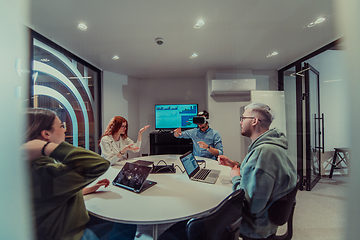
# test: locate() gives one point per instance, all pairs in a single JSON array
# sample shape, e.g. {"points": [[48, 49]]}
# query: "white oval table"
{"points": [[174, 198]]}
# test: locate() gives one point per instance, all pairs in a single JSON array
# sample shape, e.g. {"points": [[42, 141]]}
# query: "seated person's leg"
{"points": [[89, 235], [175, 232], [110, 230]]}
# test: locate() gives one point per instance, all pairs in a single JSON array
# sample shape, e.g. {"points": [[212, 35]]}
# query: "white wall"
{"points": [[163, 91], [15, 208]]}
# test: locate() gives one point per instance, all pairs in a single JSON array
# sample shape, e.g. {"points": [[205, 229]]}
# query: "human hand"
{"points": [[143, 129], [104, 182], [222, 160], [202, 144], [235, 171], [129, 147], [177, 132]]}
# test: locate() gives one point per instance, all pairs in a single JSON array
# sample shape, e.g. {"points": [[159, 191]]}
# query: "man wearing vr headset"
{"points": [[206, 141]]}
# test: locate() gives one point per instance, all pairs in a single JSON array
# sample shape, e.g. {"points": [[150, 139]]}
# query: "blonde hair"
{"points": [[267, 113]]}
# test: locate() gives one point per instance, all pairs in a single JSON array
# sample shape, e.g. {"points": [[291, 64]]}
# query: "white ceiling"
{"points": [[237, 34]]}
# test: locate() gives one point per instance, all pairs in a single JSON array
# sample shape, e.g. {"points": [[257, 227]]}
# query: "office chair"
{"points": [[281, 212], [222, 223]]}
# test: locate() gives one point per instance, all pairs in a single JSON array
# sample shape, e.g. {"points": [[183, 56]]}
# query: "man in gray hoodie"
{"points": [[266, 173]]}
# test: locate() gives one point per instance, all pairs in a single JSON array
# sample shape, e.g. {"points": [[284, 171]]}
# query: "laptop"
{"points": [[196, 173], [133, 177]]}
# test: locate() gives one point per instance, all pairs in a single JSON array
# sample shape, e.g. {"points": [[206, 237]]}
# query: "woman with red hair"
{"points": [[115, 142]]}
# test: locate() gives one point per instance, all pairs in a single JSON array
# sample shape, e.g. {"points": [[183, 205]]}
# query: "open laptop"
{"points": [[196, 173], [133, 177]]}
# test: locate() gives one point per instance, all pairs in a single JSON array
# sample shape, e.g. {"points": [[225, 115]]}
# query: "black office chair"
{"points": [[221, 223], [281, 212]]}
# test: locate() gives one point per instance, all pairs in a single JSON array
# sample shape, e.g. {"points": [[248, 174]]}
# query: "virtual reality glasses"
{"points": [[199, 120]]}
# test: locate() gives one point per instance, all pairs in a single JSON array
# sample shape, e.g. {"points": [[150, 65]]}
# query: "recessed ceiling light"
{"points": [[272, 54], [115, 57], [199, 24], [194, 55], [320, 20], [82, 26], [311, 24]]}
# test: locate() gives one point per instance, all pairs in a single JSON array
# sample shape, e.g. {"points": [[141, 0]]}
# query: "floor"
{"points": [[319, 213]]}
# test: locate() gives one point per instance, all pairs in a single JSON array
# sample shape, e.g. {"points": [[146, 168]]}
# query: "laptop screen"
{"points": [[189, 162], [132, 176]]}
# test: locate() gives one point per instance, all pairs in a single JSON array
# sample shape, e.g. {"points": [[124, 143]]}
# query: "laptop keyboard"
{"points": [[202, 174]]}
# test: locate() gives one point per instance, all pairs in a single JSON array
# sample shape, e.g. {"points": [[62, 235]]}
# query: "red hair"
{"points": [[114, 126]]}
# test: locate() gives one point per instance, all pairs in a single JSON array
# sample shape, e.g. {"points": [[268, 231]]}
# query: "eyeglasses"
{"points": [[63, 125], [123, 127], [242, 118]]}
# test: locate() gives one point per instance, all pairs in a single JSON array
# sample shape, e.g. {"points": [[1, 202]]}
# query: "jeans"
{"points": [[99, 229], [89, 235]]}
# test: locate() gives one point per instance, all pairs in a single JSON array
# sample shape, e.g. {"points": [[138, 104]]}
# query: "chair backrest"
{"points": [[281, 209], [221, 223]]}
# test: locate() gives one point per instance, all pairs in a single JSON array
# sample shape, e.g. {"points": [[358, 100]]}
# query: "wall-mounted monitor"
{"points": [[171, 116]]}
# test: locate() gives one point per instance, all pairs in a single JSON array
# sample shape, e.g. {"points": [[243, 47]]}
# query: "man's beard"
{"points": [[204, 127], [245, 133]]}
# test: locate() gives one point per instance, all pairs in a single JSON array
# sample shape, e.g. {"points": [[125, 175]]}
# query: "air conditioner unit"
{"points": [[235, 87]]}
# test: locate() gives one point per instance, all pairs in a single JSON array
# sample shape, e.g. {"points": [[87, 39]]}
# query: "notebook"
{"points": [[196, 173], [133, 177]]}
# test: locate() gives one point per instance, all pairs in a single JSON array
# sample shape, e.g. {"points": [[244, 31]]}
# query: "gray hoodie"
{"points": [[267, 174]]}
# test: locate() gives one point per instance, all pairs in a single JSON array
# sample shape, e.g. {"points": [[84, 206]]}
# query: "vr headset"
{"points": [[199, 120]]}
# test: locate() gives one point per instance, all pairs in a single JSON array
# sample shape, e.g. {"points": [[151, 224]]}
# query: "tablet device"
{"points": [[133, 177]]}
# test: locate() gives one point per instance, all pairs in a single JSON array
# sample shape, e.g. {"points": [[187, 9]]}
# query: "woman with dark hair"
{"points": [[115, 141], [59, 173]]}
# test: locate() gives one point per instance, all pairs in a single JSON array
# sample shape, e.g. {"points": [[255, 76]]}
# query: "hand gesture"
{"points": [[143, 129], [104, 182], [202, 144], [177, 132], [222, 160], [235, 171], [129, 147]]}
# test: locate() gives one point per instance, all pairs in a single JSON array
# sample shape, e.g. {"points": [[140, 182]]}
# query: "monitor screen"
{"points": [[171, 116]]}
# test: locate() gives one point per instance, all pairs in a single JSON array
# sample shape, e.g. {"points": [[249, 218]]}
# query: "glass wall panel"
{"points": [[63, 84], [290, 109]]}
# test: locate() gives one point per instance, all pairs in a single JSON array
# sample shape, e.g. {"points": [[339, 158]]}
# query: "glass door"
{"points": [[313, 126]]}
